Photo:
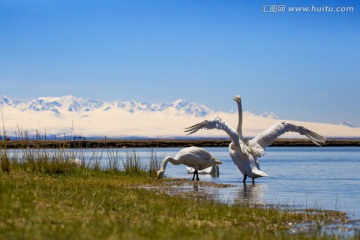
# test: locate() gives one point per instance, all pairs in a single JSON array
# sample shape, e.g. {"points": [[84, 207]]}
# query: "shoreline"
{"points": [[154, 143]]}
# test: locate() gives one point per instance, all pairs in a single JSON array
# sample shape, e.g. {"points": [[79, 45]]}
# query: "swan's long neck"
{"points": [[169, 159], [239, 127]]}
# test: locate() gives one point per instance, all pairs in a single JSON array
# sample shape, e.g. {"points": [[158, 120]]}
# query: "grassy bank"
{"points": [[79, 202]]}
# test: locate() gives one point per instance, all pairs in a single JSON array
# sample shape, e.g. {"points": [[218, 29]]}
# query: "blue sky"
{"points": [[301, 66]]}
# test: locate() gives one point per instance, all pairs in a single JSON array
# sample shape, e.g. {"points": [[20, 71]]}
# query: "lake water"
{"points": [[303, 177]]}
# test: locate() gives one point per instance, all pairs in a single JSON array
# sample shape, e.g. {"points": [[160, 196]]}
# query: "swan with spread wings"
{"points": [[245, 154]]}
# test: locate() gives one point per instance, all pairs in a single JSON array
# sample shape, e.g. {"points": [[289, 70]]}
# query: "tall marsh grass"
{"points": [[132, 163], [62, 161], [38, 160], [5, 161], [154, 163], [114, 160]]}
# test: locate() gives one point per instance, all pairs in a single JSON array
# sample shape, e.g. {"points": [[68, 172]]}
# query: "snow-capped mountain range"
{"points": [[62, 105], [78, 116]]}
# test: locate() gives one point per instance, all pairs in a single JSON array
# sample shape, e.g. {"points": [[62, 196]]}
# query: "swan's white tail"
{"points": [[258, 173], [213, 170]]}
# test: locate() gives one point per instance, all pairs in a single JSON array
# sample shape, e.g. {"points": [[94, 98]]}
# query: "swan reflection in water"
{"points": [[250, 194], [242, 193], [236, 194]]}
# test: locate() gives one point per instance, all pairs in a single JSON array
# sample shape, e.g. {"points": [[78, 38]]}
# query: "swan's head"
{"points": [[160, 174], [237, 98]]}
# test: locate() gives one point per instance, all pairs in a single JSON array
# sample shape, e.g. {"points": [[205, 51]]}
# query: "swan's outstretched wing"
{"points": [[268, 136], [216, 123]]}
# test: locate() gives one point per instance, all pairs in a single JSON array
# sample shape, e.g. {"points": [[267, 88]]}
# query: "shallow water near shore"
{"points": [[299, 178], [303, 177]]}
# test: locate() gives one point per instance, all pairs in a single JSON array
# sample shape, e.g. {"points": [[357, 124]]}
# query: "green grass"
{"points": [[88, 203]]}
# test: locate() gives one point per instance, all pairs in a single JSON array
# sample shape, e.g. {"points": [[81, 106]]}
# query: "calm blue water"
{"points": [[303, 177]]}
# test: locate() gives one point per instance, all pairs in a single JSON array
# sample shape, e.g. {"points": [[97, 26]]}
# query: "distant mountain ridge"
{"points": [[60, 105], [76, 116], [72, 104]]}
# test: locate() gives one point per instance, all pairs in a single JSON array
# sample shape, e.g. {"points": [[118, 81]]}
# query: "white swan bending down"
{"points": [[245, 154], [195, 157]]}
